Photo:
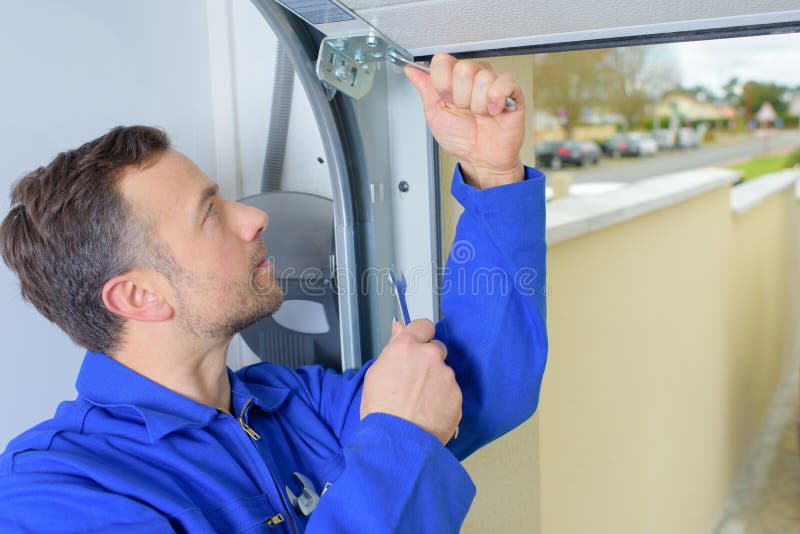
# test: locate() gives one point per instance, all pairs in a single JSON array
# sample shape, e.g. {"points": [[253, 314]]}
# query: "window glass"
{"points": [[644, 111]]}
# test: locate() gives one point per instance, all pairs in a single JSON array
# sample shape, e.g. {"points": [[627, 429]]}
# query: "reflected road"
{"points": [[723, 152]]}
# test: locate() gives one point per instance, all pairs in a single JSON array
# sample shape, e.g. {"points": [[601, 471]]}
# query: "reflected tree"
{"points": [[624, 81], [567, 82], [637, 76]]}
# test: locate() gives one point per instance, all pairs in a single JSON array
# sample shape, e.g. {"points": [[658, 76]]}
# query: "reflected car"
{"points": [[556, 154], [688, 138], [647, 145], [630, 144], [666, 139], [591, 151]]}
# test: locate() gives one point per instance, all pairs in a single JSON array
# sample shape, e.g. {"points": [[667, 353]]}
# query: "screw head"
{"points": [[403, 186], [339, 72]]}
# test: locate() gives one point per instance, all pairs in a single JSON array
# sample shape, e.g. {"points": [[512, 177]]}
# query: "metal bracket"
{"points": [[349, 63]]}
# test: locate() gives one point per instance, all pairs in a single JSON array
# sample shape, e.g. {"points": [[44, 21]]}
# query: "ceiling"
{"points": [[426, 26]]}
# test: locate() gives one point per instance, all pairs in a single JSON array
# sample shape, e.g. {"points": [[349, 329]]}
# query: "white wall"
{"points": [[73, 70], [254, 46]]}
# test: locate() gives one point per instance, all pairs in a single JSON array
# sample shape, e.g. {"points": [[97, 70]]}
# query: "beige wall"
{"points": [[763, 303], [506, 473], [667, 333], [635, 319], [666, 336]]}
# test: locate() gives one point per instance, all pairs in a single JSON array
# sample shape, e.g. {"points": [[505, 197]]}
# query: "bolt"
{"points": [[339, 72], [338, 45], [403, 186], [372, 41]]}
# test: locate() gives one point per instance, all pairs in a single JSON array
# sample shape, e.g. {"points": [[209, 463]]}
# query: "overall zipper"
{"points": [[276, 519], [254, 436], [250, 432]]}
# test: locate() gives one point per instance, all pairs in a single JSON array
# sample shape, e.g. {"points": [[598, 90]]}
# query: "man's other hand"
{"points": [[410, 380], [464, 106]]}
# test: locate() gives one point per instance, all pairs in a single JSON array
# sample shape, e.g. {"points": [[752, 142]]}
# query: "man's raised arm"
{"points": [[493, 288]]}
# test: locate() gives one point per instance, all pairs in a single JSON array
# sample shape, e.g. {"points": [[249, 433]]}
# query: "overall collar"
{"points": [[104, 382]]}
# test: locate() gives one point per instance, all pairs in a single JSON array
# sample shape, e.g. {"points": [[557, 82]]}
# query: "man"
{"points": [[126, 245]]}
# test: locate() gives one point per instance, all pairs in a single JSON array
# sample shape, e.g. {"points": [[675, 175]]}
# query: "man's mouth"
{"points": [[263, 260]]}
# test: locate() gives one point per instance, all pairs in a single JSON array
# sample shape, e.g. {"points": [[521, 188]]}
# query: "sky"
{"points": [[765, 58]]}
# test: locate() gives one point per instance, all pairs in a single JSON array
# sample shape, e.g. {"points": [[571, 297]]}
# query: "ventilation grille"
{"points": [[286, 348]]}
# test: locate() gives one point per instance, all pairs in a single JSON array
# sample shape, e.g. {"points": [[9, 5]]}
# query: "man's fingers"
{"points": [[472, 85], [484, 79], [421, 329], [422, 82], [397, 328], [441, 348], [442, 75], [504, 86], [463, 82]]}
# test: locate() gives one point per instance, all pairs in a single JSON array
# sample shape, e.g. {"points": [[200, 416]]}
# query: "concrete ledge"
{"points": [[572, 217], [797, 187], [746, 196]]}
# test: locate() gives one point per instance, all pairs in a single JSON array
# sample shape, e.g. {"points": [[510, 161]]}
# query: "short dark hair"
{"points": [[70, 230]]}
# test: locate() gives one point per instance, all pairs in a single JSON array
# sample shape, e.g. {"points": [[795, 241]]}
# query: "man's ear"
{"points": [[133, 297]]}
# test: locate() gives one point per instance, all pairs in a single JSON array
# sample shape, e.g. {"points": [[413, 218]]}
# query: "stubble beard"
{"points": [[265, 295], [259, 297]]}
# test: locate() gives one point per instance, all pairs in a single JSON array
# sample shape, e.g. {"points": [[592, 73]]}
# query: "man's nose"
{"points": [[253, 222]]}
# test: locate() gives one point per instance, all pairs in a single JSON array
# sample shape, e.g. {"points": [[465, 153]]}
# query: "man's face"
{"points": [[221, 281]]}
